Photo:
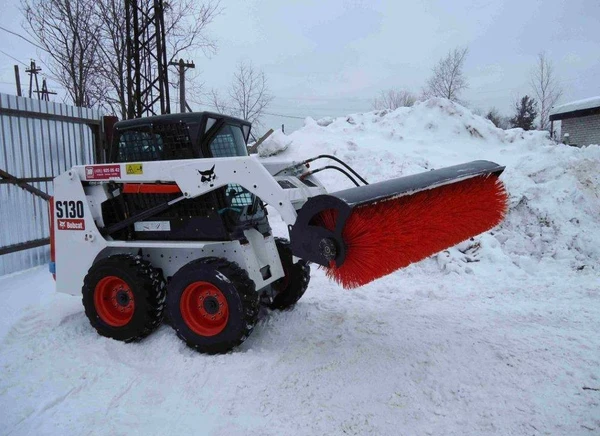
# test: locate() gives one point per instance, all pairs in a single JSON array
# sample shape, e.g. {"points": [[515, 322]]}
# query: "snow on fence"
{"points": [[38, 141]]}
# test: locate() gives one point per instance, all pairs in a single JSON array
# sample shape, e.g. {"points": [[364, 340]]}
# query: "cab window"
{"points": [[228, 142]]}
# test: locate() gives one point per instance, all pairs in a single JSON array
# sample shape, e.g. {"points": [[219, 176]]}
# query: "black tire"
{"points": [[146, 292], [291, 288], [229, 291]]}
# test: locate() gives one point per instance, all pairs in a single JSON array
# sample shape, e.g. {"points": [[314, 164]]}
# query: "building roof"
{"points": [[579, 108]]}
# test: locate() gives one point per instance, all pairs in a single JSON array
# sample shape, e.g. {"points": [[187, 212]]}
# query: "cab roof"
{"points": [[189, 117]]}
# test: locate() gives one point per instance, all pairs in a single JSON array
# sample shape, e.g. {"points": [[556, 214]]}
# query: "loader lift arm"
{"points": [[299, 206], [246, 172]]}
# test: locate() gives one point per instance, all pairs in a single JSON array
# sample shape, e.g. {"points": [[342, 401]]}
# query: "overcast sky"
{"points": [[331, 57]]}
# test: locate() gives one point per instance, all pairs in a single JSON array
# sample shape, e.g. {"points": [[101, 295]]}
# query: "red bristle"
{"points": [[385, 236]]}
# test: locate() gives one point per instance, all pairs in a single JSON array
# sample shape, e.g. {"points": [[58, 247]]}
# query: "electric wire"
{"points": [[265, 113], [25, 39], [13, 58]]}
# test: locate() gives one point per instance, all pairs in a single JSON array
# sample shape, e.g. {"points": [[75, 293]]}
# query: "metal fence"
{"points": [[38, 141]]}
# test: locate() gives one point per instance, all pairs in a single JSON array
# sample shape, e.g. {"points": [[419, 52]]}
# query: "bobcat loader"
{"points": [[175, 222]]}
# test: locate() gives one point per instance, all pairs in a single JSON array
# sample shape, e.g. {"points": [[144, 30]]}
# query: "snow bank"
{"points": [[274, 144], [498, 335], [554, 189]]}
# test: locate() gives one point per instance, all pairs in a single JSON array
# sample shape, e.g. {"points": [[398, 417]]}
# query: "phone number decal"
{"points": [[102, 172]]}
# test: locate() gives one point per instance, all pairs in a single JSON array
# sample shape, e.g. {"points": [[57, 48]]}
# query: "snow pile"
{"points": [[554, 189], [498, 335], [274, 144]]}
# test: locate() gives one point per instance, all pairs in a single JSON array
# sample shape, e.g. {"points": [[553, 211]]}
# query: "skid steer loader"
{"points": [[176, 221]]}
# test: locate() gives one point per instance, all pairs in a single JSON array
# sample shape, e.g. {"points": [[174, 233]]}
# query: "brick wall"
{"points": [[582, 130]]}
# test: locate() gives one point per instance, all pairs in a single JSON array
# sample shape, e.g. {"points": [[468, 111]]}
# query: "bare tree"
{"points": [[185, 26], [393, 99], [186, 22], [545, 87], [220, 104], [67, 31], [448, 79], [86, 42], [249, 94], [113, 38]]}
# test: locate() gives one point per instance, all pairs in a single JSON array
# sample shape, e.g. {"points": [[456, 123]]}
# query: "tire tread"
{"points": [[151, 281]]}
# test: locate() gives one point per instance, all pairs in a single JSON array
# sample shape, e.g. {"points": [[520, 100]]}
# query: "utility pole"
{"points": [[182, 68], [18, 80], [44, 94], [33, 71]]}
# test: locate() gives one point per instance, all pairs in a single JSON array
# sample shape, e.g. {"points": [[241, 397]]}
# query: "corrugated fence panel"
{"points": [[36, 147]]}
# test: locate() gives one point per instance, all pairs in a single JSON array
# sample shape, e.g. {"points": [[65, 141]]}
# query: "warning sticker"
{"points": [[102, 172], [134, 169], [70, 224]]}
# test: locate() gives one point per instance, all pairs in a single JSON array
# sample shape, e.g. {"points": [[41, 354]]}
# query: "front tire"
{"points": [[291, 287], [124, 297], [212, 304]]}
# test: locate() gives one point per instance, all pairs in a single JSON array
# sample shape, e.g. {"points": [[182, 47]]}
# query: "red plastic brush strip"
{"points": [[392, 234]]}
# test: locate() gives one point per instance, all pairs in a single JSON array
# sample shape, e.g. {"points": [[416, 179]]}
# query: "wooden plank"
{"points": [[254, 148]]}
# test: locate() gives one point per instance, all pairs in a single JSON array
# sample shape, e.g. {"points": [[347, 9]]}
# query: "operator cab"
{"points": [[219, 215]]}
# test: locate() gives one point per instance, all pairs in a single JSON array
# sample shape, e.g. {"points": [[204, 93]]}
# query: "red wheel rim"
{"points": [[204, 308], [114, 301]]}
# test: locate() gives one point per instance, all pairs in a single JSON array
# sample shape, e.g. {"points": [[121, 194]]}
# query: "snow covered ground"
{"points": [[496, 336]]}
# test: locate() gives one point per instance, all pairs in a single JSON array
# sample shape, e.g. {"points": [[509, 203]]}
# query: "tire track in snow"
{"points": [[27, 326]]}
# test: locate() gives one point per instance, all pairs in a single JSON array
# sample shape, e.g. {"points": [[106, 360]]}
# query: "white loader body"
{"points": [[80, 192]]}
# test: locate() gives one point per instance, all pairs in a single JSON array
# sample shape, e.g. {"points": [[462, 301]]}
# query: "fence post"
{"points": [[104, 138]]}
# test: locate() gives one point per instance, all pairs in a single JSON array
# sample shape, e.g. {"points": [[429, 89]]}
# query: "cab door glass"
{"points": [[228, 142]]}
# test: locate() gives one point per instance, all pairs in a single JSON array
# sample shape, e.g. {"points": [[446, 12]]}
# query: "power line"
{"points": [[329, 110], [25, 39], [266, 113], [284, 116], [324, 99], [14, 59]]}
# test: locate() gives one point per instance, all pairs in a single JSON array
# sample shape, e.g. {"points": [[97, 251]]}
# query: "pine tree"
{"points": [[526, 111]]}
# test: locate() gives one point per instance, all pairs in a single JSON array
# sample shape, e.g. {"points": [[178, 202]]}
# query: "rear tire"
{"points": [[290, 288], [212, 304], [124, 297]]}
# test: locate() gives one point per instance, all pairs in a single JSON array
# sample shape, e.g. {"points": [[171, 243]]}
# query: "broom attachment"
{"points": [[364, 233]]}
